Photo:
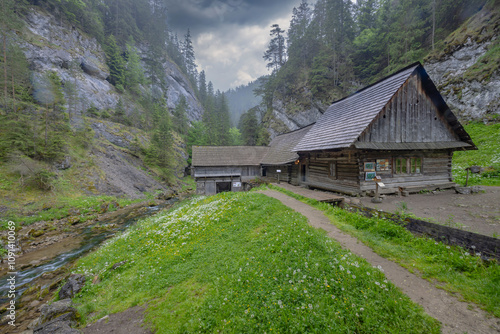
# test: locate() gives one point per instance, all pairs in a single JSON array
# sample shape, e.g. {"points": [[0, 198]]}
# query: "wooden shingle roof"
{"points": [[346, 119], [206, 156], [281, 147]]}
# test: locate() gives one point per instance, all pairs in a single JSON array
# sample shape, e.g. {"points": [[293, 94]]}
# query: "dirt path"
{"points": [[130, 321], [455, 316]]}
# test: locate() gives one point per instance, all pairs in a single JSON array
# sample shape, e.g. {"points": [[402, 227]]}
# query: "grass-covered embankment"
{"points": [[461, 272], [242, 263], [487, 140]]}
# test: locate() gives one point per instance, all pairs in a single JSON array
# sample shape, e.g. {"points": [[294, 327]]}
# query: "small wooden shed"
{"points": [[225, 168], [399, 128], [282, 158]]}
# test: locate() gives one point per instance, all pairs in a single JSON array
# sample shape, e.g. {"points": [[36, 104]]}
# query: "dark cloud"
{"points": [[229, 36], [200, 15]]}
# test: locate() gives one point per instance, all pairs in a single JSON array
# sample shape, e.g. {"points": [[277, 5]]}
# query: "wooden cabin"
{"points": [[399, 128], [225, 168], [281, 162]]}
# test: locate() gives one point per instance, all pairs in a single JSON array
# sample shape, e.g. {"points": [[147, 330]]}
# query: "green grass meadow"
{"points": [[242, 263], [487, 139]]}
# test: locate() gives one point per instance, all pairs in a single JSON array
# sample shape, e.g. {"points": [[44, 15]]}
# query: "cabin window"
{"points": [[407, 165], [332, 170]]}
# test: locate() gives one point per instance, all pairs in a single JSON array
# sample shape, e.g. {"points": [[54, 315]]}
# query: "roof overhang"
{"points": [[217, 175], [413, 146]]}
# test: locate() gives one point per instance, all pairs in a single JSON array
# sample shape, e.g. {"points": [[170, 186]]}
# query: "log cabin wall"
{"points": [[294, 174], [284, 175], [343, 176], [434, 170]]}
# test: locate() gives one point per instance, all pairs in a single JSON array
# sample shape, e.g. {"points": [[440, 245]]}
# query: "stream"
{"points": [[91, 240]]}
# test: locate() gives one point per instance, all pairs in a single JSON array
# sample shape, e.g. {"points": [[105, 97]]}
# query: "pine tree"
{"points": [[202, 87], [249, 128], [223, 120], [11, 12], [276, 52], [299, 45], [189, 58], [209, 115], [115, 62], [161, 152], [197, 136], [181, 122], [366, 14], [235, 137], [134, 73]]}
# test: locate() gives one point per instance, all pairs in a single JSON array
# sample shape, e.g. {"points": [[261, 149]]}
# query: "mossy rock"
{"points": [[36, 233], [73, 220]]}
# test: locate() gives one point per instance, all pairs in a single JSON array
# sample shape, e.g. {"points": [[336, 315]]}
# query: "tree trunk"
{"points": [[34, 131], [433, 22], [13, 94], [46, 125], [5, 77]]}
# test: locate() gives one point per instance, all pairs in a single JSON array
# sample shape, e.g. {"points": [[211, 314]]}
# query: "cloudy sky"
{"points": [[230, 36]]}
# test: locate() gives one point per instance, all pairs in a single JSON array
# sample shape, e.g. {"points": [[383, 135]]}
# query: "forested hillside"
{"points": [[335, 47], [98, 97], [241, 99]]}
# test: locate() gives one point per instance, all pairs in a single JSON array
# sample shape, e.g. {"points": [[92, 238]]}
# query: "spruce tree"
{"points": [[249, 127], [181, 121], [134, 73], [189, 58], [202, 87], [115, 62]]}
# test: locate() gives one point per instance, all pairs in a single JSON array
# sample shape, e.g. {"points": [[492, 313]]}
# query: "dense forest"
{"points": [[334, 47]]}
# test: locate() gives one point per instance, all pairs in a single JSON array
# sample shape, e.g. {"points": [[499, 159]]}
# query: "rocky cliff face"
{"points": [[282, 120], [113, 166], [469, 99], [80, 61]]}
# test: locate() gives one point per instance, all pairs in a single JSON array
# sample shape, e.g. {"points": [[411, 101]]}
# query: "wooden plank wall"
{"points": [[410, 117], [219, 170], [347, 172], [285, 175], [436, 169]]}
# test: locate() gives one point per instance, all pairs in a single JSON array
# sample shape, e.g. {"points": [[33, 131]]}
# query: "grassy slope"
{"points": [[242, 262], [459, 271], [487, 140]]}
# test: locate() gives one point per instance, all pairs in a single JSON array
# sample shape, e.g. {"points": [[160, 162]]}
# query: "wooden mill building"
{"points": [[226, 168], [398, 128], [282, 158]]}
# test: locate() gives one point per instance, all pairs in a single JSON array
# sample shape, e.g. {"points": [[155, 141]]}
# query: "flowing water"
{"points": [[91, 240]]}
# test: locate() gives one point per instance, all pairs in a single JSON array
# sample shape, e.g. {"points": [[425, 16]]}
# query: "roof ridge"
{"points": [[415, 64]]}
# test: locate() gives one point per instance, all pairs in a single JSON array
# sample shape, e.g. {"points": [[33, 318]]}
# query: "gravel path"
{"points": [[455, 316]]}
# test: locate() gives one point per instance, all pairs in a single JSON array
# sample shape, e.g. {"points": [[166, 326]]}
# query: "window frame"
{"points": [[407, 165], [333, 175]]}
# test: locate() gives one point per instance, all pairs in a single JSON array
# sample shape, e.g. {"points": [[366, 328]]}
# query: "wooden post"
{"points": [[378, 182]]}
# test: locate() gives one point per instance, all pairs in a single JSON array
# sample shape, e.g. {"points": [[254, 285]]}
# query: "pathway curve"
{"points": [[455, 316]]}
